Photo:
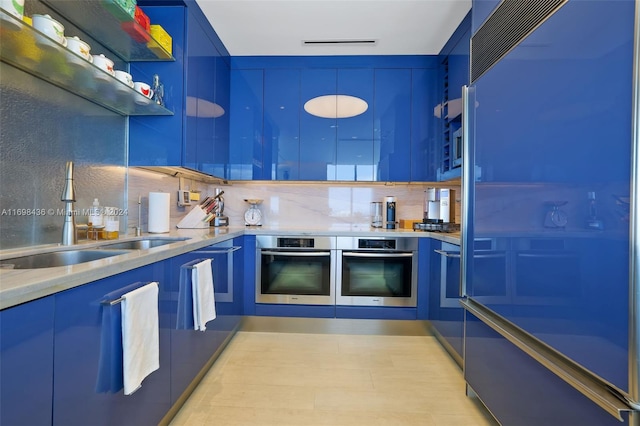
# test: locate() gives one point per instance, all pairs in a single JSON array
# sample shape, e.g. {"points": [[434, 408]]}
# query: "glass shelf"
{"points": [[30, 50], [126, 38]]}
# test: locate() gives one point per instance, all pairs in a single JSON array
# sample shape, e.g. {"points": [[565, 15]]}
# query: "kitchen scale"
{"points": [[555, 218], [253, 215]]}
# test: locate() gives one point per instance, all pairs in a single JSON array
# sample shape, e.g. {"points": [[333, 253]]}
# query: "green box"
{"points": [[123, 10]]}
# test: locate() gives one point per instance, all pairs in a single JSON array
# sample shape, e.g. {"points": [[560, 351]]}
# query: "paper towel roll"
{"points": [[159, 203]]}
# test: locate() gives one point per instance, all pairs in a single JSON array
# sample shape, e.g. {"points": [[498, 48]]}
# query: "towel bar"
{"points": [[124, 290]]}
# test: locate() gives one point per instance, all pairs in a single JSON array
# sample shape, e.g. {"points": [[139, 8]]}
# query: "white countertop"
{"points": [[23, 285]]}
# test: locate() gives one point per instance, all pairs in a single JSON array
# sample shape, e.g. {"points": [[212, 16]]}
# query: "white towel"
{"points": [[204, 304], [140, 336]]}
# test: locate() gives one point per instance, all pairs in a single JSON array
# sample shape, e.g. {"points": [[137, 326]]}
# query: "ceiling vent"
{"points": [[339, 42]]}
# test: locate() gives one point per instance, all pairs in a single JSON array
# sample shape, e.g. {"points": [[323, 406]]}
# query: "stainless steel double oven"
{"points": [[355, 271]]}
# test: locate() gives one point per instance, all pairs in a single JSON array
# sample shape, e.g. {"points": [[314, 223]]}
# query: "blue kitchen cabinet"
{"points": [[246, 126], [159, 141], [354, 136], [191, 350], [82, 390], [425, 131], [507, 380], [424, 277], [445, 312], [318, 144], [282, 109], [196, 89], [249, 280], [26, 363], [392, 132]]}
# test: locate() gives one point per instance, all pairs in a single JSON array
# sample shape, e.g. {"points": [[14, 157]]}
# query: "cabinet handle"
{"points": [[387, 255], [454, 254], [229, 250]]}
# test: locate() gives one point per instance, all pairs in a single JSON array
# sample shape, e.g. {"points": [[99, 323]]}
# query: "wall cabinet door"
{"points": [[318, 144], [245, 133], [392, 127], [158, 141], [355, 145], [425, 132], [81, 392], [221, 114], [282, 111], [26, 363]]}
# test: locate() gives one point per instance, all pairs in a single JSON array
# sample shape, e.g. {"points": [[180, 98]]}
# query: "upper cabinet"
{"points": [[196, 87], [387, 139], [246, 124]]}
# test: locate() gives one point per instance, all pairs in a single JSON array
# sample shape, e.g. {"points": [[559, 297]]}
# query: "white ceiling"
{"points": [[278, 27]]}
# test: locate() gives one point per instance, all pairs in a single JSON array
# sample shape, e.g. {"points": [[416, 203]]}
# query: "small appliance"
{"points": [[376, 214], [389, 209]]}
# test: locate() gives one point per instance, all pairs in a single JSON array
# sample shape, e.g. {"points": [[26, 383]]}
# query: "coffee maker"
{"points": [[432, 206], [438, 211]]}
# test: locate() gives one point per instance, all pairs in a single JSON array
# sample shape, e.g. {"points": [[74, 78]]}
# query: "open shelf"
{"points": [[31, 51], [120, 34]]}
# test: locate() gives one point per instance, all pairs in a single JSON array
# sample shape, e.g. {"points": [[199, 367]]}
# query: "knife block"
{"points": [[195, 219]]}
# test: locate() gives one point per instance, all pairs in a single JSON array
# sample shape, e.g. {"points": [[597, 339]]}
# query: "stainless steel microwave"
{"points": [[456, 149]]}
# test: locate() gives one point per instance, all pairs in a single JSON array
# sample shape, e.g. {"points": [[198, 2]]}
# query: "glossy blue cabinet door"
{"points": [[220, 111], [318, 145], [393, 124], [425, 129], [192, 349], [245, 133], [158, 141], [26, 363], [281, 124], [517, 389], [354, 149], [445, 312], [81, 350]]}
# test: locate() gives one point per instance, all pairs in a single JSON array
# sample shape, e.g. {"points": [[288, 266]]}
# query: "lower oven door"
{"points": [[296, 277], [377, 278]]}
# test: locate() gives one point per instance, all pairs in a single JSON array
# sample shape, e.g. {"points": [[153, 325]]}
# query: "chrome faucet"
{"points": [[69, 197]]}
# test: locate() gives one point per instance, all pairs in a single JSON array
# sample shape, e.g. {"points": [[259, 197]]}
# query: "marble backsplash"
{"points": [[292, 205]]}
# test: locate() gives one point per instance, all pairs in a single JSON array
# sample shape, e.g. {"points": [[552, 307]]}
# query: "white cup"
{"points": [[104, 63], [125, 77], [79, 47], [49, 27], [143, 88], [13, 7]]}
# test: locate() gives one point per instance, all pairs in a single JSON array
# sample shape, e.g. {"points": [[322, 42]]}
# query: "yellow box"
{"points": [[408, 223], [162, 37], [27, 20]]}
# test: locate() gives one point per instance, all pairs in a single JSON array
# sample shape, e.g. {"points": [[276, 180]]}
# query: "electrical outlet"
{"points": [[184, 198]]}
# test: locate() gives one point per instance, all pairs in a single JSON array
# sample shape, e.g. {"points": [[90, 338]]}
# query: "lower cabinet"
{"points": [[82, 357], [445, 312], [191, 349], [517, 389], [26, 363]]}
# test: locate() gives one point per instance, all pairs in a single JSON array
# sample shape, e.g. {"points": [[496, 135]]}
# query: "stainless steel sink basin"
{"points": [[141, 244], [58, 258]]}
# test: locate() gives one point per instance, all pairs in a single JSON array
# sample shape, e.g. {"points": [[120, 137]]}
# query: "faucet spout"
{"points": [[69, 197]]}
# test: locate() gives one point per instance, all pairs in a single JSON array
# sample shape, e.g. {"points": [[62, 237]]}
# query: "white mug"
{"points": [[125, 77], [143, 88], [104, 63], [49, 27], [13, 7], [79, 47]]}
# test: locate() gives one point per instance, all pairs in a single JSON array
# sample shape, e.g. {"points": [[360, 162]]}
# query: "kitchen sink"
{"points": [[141, 244], [58, 258]]}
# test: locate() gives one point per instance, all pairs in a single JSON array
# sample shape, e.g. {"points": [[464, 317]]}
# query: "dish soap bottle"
{"points": [[95, 221]]}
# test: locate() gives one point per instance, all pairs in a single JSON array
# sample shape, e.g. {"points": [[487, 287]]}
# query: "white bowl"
{"points": [[49, 27]]}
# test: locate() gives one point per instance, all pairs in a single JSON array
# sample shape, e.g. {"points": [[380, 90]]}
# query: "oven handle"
{"points": [[455, 254], [296, 253], [368, 254]]}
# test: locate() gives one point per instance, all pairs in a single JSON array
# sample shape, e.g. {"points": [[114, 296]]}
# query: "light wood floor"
{"points": [[270, 378]]}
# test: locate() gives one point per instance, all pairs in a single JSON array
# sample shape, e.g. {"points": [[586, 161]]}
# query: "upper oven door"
{"points": [[296, 276], [369, 278]]}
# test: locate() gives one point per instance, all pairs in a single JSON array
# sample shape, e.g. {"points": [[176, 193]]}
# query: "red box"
{"points": [[142, 19], [139, 28]]}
